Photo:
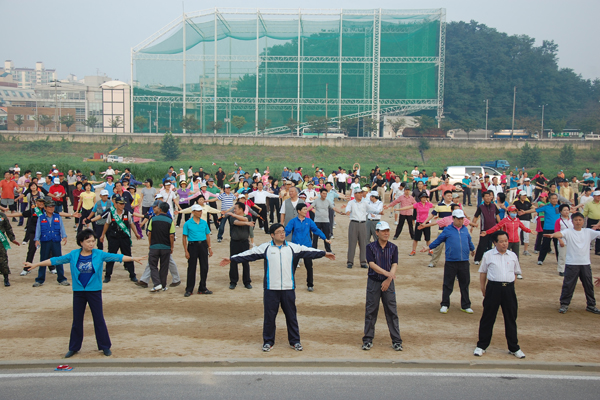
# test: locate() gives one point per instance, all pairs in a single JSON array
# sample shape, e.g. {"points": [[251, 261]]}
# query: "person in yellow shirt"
{"points": [[87, 200]]}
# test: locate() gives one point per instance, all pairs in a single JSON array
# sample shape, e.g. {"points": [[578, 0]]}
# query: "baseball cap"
{"points": [[382, 226], [522, 193], [423, 195], [41, 199], [211, 180], [455, 195], [196, 207], [512, 208], [526, 180], [38, 173], [156, 203], [374, 194], [110, 176], [167, 183], [56, 181], [458, 214], [61, 174], [365, 189], [158, 196], [596, 193], [242, 196], [544, 194], [104, 192], [227, 185], [118, 199]]}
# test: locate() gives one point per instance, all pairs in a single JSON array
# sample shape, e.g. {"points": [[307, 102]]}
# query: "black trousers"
{"points": [[434, 193], [325, 227], [264, 222], [98, 231], [236, 247], [215, 217], [485, 244], [499, 294], [452, 270], [409, 222], [187, 216], [545, 249], [341, 187], [591, 222], [467, 195], [308, 263], [198, 254], [388, 299], [124, 245], [84, 214], [272, 300], [572, 274], [80, 300], [159, 258], [274, 209], [31, 249], [538, 241]]}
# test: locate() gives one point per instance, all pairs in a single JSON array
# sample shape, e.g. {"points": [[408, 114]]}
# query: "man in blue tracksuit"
{"points": [[279, 281], [300, 228], [458, 245]]}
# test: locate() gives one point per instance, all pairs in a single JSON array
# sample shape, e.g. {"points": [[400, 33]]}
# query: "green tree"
{"points": [[44, 120], [91, 122], [348, 123], [370, 125], [239, 122], [141, 122], [530, 124], [590, 125], [189, 123], [425, 123], [423, 145], [263, 124], [19, 121], [169, 147], [214, 126], [67, 120], [318, 124], [567, 155], [292, 125], [396, 124], [499, 123], [468, 125], [530, 156], [115, 123], [557, 125]]}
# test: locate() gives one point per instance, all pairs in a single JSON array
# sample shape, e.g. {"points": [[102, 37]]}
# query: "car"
{"points": [[457, 173]]}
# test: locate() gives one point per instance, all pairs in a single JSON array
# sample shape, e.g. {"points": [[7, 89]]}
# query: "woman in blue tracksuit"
{"points": [[86, 271]]}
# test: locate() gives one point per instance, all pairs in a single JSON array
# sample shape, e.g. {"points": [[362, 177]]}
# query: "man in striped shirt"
{"points": [[227, 200]]}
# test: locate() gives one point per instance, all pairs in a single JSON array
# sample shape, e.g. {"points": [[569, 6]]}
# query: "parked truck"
{"points": [[498, 164]]}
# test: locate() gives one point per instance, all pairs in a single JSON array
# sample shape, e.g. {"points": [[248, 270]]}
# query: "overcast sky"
{"points": [[83, 36]]}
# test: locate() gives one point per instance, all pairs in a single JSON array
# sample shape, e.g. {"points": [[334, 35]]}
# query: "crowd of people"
{"points": [[295, 210]]}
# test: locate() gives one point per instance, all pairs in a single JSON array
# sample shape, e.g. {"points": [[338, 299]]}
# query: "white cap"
{"points": [[365, 189], [53, 165], [55, 171], [181, 169], [203, 184], [38, 173], [596, 193], [158, 196], [167, 183], [104, 192], [374, 194], [458, 214], [455, 195], [227, 185], [522, 193], [382, 226], [196, 207], [57, 181], [241, 196], [526, 180]]}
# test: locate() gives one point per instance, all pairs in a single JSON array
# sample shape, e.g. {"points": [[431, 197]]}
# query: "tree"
{"points": [[91, 122], [292, 125], [19, 121], [169, 147], [423, 145], [530, 156], [263, 124], [425, 123], [590, 125], [67, 120], [468, 125], [396, 124], [556, 125], [499, 123], [348, 123], [189, 123], [567, 155], [530, 124], [115, 122], [214, 126], [239, 122], [141, 122], [318, 124], [44, 120], [370, 125]]}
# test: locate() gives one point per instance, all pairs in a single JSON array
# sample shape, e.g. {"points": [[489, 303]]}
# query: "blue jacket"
{"points": [[458, 243], [301, 231], [49, 229], [98, 259]]}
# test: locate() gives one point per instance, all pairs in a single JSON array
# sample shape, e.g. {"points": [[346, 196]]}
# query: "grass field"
{"points": [[40, 155]]}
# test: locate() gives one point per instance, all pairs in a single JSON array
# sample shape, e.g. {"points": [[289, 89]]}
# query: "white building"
{"points": [[116, 107], [28, 78]]}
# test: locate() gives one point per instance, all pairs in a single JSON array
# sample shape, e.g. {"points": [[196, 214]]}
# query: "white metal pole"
{"points": [[215, 78], [257, 81], [184, 22], [486, 116], [512, 130], [130, 97], [340, 69], [299, 53], [542, 132], [156, 116]]}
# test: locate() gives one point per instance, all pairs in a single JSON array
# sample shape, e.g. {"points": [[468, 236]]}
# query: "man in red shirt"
{"points": [[57, 192], [8, 186]]}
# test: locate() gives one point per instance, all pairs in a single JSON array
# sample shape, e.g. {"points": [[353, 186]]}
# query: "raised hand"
{"points": [[224, 262]]}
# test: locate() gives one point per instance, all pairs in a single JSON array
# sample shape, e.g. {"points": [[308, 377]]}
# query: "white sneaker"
{"points": [[518, 353], [478, 351], [540, 263], [476, 262], [444, 310], [331, 237], [467, 310], [53, 271], [156, 289], [519, 276], [396, 223], [431, 265], [24, 244], [23, 273]]}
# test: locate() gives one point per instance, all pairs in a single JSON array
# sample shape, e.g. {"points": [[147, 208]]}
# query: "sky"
{"points": [[86, 37]]}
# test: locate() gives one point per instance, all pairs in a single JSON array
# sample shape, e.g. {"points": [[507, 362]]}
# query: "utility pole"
{"points": [[326, 97], [201, 105], [512, 130], [55, 86], [149, 121], [542, 132], [486, 117]]}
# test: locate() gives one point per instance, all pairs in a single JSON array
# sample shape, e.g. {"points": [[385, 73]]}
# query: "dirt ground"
{"points": [[228, 324]]}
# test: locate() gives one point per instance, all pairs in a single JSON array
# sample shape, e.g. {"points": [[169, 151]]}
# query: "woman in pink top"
{"points": [[422, 207]]}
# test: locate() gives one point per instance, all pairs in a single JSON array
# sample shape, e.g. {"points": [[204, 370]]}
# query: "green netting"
{"points": [[159, 67]]}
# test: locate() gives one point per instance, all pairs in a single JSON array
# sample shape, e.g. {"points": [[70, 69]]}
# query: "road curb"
{"points": [[523, 366]]}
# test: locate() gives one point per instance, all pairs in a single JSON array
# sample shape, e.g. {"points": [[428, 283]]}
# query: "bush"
{"points": [[38, 145], [170, 147], [567, 155], [530, 156]]}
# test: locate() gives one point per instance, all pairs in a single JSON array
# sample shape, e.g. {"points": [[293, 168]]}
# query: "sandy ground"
{"points": [[228, 323]]}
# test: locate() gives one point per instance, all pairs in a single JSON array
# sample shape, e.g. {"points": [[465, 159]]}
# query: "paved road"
{"points": [[286, 384]]}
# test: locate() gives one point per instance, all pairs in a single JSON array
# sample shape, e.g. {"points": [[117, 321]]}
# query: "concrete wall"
{"points": [[277, 141]]}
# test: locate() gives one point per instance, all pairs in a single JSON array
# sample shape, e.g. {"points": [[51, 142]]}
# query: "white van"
{"points": [[457, 173]]}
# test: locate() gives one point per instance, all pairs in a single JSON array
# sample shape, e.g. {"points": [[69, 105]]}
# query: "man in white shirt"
{"points": [[499, 268], [526, 186], [260, 199], [357, 229], [577, 263], [415, 174], [375, 209], [342, 177], [495, 187]]}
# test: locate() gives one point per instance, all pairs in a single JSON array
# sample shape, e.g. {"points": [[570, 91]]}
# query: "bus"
{"points": [[516, 134]]}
